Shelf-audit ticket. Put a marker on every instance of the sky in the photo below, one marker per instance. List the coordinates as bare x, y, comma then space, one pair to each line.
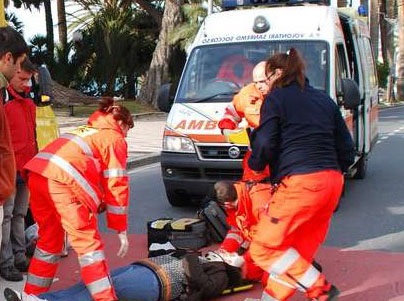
34, 21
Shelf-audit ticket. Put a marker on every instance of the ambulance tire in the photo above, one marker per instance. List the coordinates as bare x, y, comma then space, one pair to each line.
175, 199
361, 168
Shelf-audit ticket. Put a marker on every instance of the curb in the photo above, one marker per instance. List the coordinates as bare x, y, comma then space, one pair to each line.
143, 160
383, 106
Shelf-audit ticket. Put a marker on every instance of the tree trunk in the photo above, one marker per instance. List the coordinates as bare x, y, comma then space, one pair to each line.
151, 10
158, 72
62, 26
387, 14
400, 62
341, 3
374, 26
387, 31
50, 42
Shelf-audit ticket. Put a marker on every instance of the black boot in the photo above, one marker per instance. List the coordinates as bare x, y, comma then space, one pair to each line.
330, 295
11, 295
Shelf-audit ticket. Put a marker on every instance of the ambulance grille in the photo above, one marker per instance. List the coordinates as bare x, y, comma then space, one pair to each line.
219, 152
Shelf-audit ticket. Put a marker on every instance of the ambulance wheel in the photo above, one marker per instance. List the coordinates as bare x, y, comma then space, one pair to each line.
176, 199
361, 168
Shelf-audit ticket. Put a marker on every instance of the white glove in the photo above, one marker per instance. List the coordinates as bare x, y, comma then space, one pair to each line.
123, 239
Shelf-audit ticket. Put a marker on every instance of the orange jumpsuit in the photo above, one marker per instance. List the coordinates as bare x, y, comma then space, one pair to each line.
72, 179
246, 104
252, 201
292, 229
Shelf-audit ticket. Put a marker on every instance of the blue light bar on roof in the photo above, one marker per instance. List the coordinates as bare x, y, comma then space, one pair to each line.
230, 4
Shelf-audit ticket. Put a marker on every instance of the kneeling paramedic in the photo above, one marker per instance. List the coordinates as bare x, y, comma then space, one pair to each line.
73, 178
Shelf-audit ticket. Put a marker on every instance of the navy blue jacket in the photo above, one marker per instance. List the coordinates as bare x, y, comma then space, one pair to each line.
301, 131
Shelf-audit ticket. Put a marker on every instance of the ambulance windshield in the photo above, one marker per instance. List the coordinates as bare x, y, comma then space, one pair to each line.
214, 73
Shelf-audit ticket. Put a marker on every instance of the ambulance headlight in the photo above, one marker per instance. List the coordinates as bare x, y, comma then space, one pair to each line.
261, 25
178, 144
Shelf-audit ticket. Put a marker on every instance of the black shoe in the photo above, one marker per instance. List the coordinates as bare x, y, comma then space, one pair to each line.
22, 266
331, 295
11, 295
11, 274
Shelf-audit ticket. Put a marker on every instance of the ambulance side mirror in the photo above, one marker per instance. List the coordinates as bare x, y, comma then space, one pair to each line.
348, 94
164, 99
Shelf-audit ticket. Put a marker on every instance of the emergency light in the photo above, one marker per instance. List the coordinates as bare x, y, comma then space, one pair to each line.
231, 4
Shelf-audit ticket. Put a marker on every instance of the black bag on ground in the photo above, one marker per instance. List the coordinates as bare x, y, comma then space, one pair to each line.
188, 233
215, 218
165, 235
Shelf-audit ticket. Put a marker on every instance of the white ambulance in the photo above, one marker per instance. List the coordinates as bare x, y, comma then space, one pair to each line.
335, 43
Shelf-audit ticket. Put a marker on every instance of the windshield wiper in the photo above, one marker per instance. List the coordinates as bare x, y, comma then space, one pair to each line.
203, 99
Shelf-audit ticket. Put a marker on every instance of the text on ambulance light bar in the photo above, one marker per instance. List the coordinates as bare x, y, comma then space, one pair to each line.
230, 4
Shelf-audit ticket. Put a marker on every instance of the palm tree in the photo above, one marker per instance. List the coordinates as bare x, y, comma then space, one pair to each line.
50, 41
62, 26
158, 73
184, 34
387, 28
374, 25
115, 33
400, 63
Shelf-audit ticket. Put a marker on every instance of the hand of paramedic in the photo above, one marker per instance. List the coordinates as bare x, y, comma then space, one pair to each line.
123, 239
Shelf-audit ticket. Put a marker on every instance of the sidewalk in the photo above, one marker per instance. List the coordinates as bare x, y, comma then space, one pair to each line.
144, 140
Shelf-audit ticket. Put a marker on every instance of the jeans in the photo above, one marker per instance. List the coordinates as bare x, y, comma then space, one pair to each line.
13, 230
131, 282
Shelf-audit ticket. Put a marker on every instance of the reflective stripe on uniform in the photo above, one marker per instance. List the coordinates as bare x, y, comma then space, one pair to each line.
80, 142
67, 167
91, 257
276, 278
39, 281
267, 297
235, 236
116, 209
99, 285
309, 277
115, 172
281, 265
46, 256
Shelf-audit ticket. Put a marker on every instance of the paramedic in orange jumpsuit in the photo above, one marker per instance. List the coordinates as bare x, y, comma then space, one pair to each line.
247, 104
244, 202
73, 178
303, 137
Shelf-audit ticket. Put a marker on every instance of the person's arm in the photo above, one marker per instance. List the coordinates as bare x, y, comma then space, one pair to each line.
231, 117
115, 185
7, 161
265, 138
343, 142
